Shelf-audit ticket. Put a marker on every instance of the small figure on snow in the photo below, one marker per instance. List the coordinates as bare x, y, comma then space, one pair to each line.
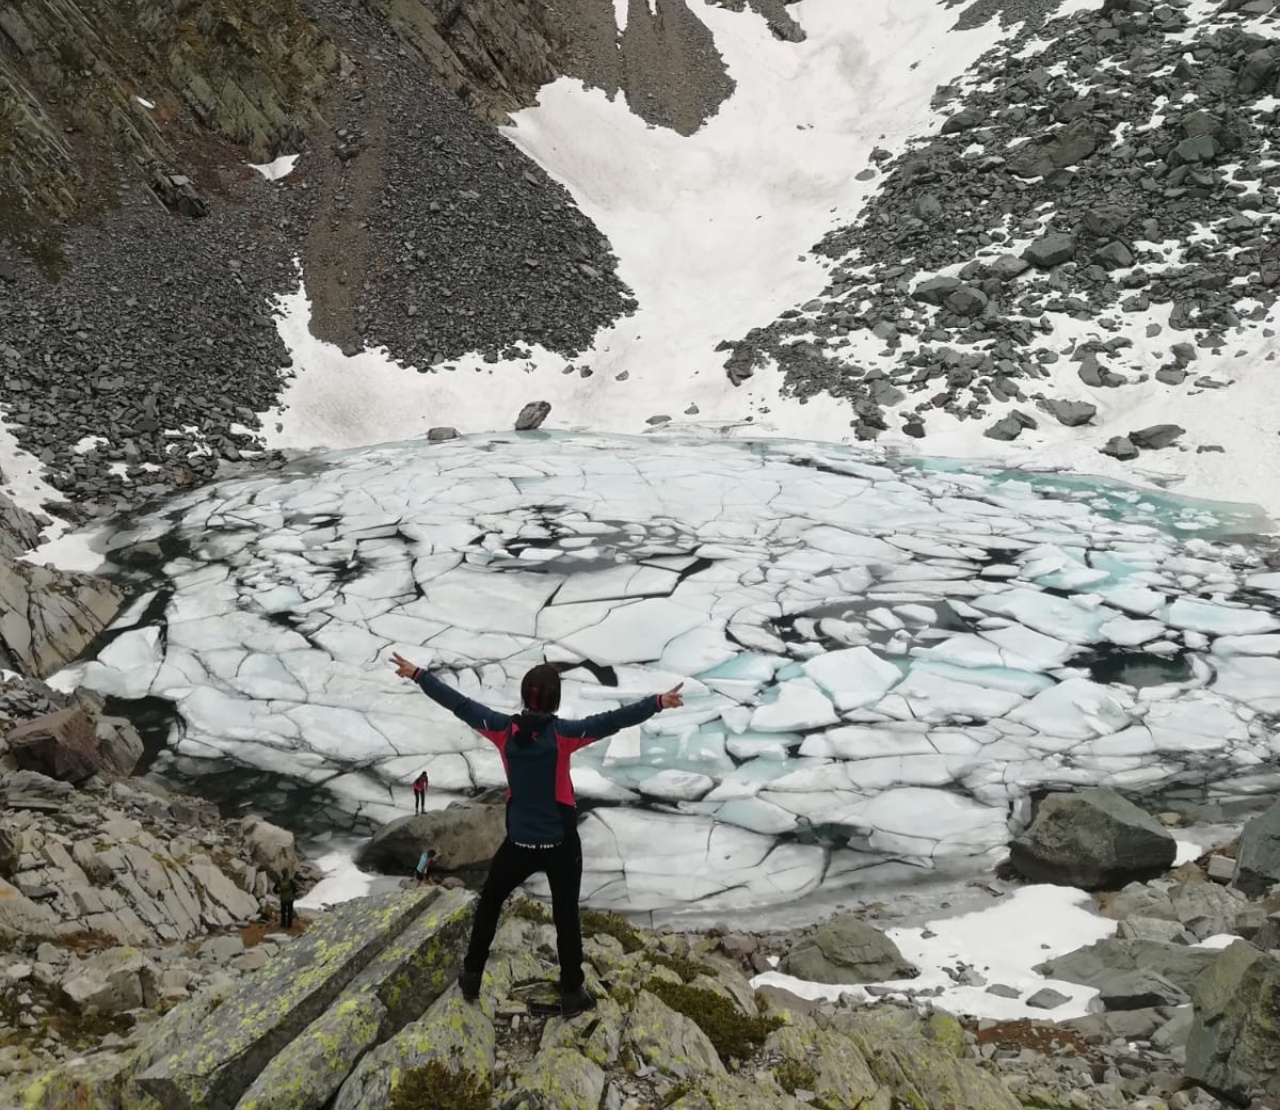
542, 818
420, 793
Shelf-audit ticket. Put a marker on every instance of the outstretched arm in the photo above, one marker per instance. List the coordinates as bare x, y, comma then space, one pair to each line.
580, 733
491, 724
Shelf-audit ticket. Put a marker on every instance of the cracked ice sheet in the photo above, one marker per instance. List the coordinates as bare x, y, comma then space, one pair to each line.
1002, 943
419, 548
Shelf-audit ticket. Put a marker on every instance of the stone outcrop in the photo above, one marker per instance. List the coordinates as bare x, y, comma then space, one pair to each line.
1258, 856
1234, 1045
48, 616
1098, 965
464, 834
244, 71
71, 746
1092, 839
344, 985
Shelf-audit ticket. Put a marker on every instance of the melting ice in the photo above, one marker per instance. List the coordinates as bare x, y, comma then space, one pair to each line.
882, 658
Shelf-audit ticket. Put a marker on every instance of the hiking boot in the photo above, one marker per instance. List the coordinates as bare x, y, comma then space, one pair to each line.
573, 1003
469, 985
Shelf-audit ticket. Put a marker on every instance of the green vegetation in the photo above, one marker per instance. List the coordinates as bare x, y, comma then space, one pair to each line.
614, 925
436, 1087
527, 909
734, 1035
792, 1076
687, 969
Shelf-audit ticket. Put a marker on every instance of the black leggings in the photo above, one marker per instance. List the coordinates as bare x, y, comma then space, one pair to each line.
513, 865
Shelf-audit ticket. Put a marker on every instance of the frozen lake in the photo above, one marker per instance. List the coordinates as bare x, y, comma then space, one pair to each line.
883, 658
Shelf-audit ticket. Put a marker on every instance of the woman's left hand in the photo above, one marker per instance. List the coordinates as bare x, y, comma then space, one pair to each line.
672, 699
404, 668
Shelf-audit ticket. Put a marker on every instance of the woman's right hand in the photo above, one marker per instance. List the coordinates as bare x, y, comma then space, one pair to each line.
672, 699
404, 668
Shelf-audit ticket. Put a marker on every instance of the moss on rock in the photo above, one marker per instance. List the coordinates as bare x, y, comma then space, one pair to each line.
734, 1034
434, 1087
595, 922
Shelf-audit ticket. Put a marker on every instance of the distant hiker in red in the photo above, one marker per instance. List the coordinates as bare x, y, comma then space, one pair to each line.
542, 818
420, 793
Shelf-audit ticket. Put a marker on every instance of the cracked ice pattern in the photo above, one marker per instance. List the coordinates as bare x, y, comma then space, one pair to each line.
881, 658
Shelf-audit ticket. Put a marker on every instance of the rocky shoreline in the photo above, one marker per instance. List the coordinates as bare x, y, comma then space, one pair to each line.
140, 938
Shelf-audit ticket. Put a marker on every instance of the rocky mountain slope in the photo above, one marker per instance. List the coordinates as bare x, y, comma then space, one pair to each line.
1086, 181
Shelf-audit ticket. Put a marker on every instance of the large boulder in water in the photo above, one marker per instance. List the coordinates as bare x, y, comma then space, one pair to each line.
1258, 854
464, 835
1095, 840
1234, 1047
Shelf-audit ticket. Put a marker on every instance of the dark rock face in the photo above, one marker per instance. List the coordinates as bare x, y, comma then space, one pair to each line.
1093, 840
1156, 437
1258, 856
1071, 413
64, 746
532, 416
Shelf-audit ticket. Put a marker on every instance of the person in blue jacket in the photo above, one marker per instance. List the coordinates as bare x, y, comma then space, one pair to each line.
542, 818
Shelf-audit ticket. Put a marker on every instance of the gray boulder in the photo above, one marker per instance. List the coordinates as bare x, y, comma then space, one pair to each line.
532, 415
19, 530
846, 950
32, 790
1268, 935
1051, 250
1234, 1046
1156, 437
1056, 150
1140, 990
1071, 413
1100, 963
464, 834
1008, 266
1207, 909
1114, 256
935, 290
111, 982
21, 918
1119, 447
967, 301
1094, 839
1258, 854
1006, 429
62, 745
271, 847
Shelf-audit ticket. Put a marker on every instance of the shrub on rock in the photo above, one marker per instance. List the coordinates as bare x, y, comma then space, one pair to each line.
1093, 840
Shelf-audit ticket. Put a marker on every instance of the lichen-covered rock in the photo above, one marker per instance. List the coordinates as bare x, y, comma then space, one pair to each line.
311, 1069
452, 1032
272, 1007
603, 1027
841, 1075
668, 1040
559, 1079
735, 1092
918, 1061
92, 1083
1234, 1046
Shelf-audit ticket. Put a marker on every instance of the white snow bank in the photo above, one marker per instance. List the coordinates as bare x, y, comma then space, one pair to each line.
274, 171
1002, 943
